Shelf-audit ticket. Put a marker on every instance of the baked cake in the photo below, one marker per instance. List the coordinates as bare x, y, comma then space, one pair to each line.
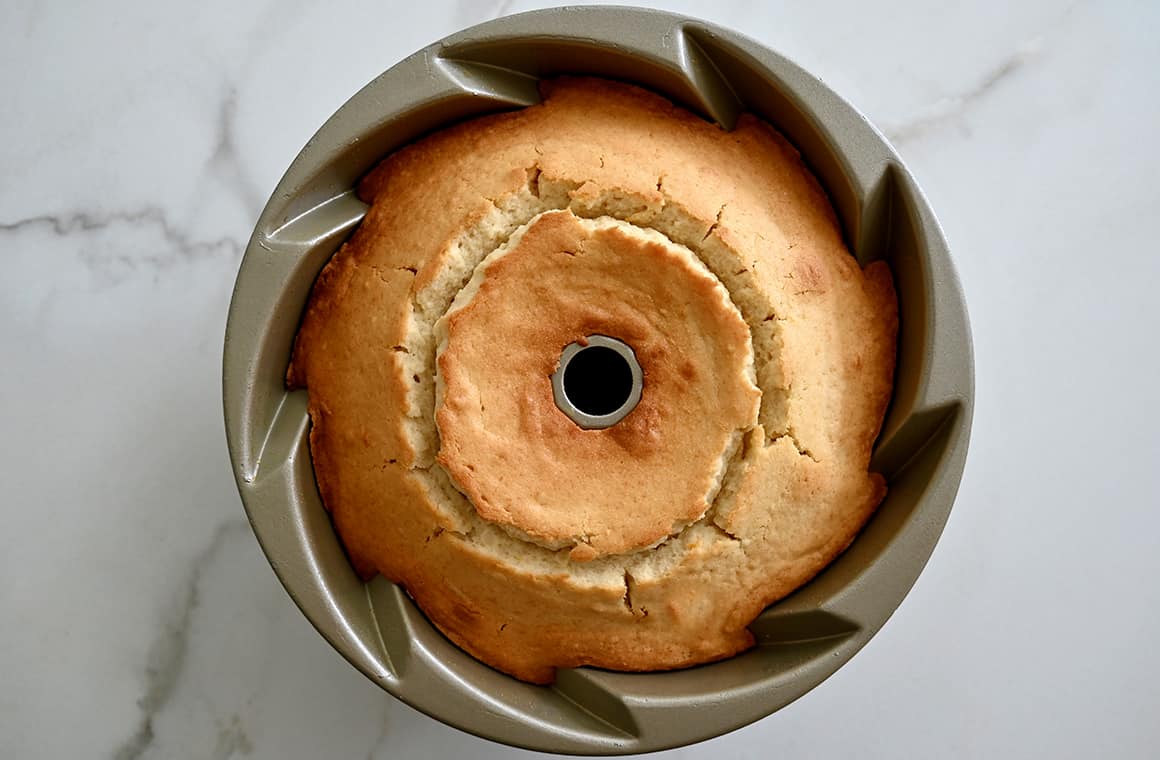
430, 340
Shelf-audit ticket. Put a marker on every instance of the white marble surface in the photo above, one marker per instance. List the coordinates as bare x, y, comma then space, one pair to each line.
138, 141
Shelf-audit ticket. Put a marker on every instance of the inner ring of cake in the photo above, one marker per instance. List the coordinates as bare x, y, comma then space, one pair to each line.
529, 467
487, 230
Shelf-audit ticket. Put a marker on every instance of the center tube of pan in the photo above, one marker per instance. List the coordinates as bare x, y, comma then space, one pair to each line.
597, 384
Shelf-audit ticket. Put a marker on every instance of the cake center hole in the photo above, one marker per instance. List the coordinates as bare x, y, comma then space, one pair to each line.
598, 380
598, 383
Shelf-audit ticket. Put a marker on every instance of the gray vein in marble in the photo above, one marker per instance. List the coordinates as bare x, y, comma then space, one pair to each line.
231, 740
115, 267
112, 267
166, 659
953, 108
381, 738
225, 161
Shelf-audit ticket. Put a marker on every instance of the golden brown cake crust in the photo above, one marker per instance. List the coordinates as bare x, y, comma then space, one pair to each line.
795, 494
520, 460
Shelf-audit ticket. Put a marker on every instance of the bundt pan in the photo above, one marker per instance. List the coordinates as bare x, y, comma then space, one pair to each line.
801, 639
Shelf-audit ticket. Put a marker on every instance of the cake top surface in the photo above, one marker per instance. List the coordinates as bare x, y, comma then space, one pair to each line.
429, 341
521, 460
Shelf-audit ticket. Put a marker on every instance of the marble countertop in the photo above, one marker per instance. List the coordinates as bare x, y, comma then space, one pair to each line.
138, 142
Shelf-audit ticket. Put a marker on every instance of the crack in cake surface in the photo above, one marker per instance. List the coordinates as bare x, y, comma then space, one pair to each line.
466, 261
